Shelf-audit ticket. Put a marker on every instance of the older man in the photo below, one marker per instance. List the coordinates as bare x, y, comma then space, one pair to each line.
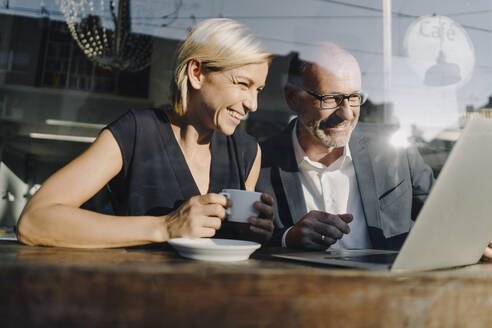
334, 188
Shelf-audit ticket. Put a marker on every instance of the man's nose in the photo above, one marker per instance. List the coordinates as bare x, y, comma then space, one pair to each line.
250, 102
344, 111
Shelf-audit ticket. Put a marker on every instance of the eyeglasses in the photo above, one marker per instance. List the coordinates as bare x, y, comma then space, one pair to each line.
334, 100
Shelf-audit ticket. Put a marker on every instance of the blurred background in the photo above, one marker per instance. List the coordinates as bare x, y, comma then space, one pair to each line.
69, 67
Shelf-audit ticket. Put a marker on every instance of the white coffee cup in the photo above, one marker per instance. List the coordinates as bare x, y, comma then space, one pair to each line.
241, 204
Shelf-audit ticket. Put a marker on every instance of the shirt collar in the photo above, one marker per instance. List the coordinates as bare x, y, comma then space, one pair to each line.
304, 162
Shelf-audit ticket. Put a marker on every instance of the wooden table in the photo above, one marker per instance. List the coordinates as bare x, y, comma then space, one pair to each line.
153, 287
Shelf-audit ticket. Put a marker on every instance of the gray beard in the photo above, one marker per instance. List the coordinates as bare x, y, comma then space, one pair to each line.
327, 141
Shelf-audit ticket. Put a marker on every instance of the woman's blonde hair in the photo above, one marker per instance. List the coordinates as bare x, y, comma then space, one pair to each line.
219, 44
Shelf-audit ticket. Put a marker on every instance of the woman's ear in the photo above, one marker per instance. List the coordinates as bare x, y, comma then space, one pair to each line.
195, 73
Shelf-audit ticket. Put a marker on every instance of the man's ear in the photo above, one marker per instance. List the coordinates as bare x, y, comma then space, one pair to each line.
291, 96
194, 70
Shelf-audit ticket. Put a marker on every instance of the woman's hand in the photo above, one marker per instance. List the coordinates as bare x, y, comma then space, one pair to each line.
261, 227
200, 216
487, 255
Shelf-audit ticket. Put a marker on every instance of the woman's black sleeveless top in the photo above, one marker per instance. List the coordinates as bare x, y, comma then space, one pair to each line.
155, 179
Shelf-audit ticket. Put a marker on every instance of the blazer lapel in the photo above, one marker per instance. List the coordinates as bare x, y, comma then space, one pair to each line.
364, 173
293, 194
289, 176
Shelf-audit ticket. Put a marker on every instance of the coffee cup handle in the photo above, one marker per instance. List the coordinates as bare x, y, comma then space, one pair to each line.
228, 196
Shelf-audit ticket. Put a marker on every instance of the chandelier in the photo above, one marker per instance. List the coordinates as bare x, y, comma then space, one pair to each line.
102, 29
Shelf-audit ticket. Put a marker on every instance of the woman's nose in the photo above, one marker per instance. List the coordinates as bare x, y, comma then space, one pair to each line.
251, 101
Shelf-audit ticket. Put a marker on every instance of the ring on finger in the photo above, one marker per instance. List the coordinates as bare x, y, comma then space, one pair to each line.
323, 237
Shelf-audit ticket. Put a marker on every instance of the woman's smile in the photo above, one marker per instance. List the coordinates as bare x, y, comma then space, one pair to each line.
235, 116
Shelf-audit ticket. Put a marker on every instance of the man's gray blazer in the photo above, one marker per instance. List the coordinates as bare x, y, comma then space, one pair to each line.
393, 185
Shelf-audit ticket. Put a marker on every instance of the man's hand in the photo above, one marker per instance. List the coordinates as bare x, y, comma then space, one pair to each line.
487, 255
261, 227
318, 230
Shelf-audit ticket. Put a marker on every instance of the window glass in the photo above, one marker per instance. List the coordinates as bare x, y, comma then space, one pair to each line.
426, 68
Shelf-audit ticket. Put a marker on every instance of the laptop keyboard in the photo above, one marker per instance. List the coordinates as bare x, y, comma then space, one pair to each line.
369, 258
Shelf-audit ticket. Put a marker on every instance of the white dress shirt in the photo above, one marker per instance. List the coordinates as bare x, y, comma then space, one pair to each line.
332, 189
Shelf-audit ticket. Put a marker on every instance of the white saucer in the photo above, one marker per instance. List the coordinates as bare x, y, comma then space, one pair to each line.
217, 250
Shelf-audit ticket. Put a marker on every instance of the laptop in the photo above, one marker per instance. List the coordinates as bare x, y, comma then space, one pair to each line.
455, 224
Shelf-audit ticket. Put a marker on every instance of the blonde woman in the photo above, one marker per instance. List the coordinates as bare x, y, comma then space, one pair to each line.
165, 168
